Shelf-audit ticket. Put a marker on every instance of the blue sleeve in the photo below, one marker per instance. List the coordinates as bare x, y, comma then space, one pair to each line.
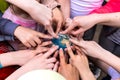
7, 27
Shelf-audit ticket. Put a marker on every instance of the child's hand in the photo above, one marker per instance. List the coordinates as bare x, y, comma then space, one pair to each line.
58, 18
90, 48
29, 37
44, 46
43, 61
67, 70
40, 61
80, 60
17, 57
81, 63
82, 23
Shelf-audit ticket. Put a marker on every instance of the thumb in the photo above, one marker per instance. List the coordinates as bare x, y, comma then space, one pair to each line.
51, 31
80, 43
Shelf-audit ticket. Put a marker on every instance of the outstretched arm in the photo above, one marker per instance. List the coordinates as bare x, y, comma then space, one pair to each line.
65, 7
92, 49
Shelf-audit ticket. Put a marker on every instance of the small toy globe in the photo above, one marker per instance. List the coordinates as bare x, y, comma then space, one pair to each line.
61, 41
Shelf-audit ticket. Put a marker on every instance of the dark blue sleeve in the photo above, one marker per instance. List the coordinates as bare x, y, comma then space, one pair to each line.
7, 27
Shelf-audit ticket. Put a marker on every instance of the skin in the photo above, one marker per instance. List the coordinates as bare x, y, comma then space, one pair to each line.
80, 61
41, 61
29, 37
65, 8
40, 13
21, 57
84, 23
67, 70
58, 20
92, 49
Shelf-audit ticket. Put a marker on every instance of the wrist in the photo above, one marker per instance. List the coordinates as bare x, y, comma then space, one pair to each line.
96, 18
6, 60
87, 75
101, 18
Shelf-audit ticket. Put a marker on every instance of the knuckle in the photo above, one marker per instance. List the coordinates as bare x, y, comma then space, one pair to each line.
75, 20
47, 24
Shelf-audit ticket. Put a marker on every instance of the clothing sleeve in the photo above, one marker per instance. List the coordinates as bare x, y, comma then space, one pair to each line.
7, 28
111, 6
50, 3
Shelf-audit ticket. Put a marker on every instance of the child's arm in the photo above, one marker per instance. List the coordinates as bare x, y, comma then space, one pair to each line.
40, 61
86, 22
92, 49
65, 7
57, 13
80, 61
40, 12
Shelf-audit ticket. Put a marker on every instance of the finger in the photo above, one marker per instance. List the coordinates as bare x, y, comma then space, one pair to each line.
56, 66
56, 54
59, 25
77, 32
37, 40
80, 43
32, 43
39, 55
51, 51
68, 22
80, 36
27, 44
50, 66
46, 43
79, 50
41, 35
44, 50
70, 52
51, 60
51, 32
75, 42
68, 29
62, 57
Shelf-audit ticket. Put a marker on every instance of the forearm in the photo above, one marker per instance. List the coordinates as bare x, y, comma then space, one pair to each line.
19, 72
86, 75
110, 59
28, 5
23, 4
65, 7
6, 59
111, 19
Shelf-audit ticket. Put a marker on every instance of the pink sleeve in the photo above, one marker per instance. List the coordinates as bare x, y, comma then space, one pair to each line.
111, 6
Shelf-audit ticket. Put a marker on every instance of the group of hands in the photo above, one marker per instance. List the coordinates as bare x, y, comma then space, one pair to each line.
40, 57
46, 17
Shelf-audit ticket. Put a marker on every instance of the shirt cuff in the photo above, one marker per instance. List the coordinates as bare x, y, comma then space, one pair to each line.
8, 27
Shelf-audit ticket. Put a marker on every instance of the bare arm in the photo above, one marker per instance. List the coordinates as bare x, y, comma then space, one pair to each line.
94, 50
111, 19
86, 22
65, 7
110, 59
37, 11
40, 61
